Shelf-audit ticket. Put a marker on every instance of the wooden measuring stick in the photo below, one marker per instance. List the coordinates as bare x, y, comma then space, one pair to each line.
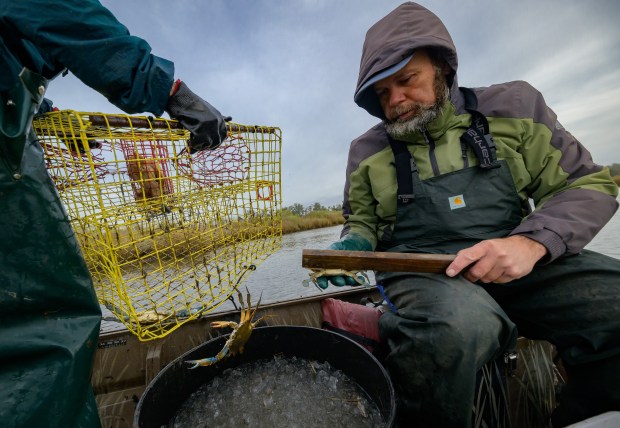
381, 261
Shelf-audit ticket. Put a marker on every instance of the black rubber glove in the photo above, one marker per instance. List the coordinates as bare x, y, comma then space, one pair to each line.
206, 125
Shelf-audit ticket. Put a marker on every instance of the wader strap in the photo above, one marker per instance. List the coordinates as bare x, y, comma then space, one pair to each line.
478, 136
17, 108
407, 175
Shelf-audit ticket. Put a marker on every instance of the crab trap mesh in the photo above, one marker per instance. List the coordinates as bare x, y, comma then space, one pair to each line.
167, 235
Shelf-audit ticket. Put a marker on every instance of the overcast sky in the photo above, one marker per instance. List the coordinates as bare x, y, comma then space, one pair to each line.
294, 64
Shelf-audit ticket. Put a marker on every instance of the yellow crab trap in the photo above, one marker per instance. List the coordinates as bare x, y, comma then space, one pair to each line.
167, 235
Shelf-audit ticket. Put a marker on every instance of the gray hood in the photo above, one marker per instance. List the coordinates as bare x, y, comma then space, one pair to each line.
394, 38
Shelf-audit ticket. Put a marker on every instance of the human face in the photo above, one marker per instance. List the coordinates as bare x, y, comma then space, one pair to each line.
412, 97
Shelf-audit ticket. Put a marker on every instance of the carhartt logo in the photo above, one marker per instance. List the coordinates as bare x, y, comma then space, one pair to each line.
456, 202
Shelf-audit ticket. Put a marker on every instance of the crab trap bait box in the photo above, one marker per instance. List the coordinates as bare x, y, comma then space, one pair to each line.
167, 235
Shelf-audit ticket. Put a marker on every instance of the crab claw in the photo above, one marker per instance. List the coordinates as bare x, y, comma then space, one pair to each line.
307, 282
198, 363
220, 324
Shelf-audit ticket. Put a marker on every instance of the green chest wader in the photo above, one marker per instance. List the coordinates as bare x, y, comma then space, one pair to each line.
445, 214
48, 308
449, 212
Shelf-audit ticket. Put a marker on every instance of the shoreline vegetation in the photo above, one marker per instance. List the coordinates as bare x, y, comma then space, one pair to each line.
296, 218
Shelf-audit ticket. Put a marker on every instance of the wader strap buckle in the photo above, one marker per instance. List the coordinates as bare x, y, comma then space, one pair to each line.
405, 199
407, 176
510, 359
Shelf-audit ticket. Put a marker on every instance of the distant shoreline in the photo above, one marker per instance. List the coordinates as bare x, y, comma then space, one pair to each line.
292, 223
316, 219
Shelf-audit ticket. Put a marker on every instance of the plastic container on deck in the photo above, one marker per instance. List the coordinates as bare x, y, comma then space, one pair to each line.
175, 383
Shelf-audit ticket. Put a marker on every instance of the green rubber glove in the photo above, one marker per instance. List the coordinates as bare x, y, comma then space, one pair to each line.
351, 242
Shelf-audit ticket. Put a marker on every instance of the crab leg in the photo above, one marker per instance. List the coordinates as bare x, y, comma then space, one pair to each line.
209, 361
239, 336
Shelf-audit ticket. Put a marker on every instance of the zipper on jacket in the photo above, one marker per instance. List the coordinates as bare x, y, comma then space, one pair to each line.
431, 152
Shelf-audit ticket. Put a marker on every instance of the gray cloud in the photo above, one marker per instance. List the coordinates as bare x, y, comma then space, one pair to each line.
294, 64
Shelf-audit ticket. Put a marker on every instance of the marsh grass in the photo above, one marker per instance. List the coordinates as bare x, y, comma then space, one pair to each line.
167, 237
491, 399
157, 239
536, 383
313, 220
164, 239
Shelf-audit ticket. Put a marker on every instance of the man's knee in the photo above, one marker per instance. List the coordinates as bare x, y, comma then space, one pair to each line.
447, 316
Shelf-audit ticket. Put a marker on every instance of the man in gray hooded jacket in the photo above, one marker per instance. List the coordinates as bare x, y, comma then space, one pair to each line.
452, 170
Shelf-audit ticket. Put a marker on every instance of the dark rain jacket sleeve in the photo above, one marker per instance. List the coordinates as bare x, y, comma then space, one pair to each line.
574, 196
84, 37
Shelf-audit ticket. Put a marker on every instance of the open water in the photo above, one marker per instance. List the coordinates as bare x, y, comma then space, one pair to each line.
608, 239
280, 277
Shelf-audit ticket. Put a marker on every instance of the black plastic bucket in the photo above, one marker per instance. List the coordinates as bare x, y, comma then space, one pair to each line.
175, 383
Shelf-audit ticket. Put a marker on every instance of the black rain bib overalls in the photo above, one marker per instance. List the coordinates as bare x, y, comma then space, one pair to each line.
445, 214
449, 212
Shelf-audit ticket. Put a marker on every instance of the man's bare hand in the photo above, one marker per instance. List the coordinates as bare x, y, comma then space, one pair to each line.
497, 260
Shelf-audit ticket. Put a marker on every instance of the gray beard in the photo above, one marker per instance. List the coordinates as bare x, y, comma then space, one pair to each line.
419, 122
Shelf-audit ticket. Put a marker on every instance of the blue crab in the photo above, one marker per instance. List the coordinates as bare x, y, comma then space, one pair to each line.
360, 278
239, 336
